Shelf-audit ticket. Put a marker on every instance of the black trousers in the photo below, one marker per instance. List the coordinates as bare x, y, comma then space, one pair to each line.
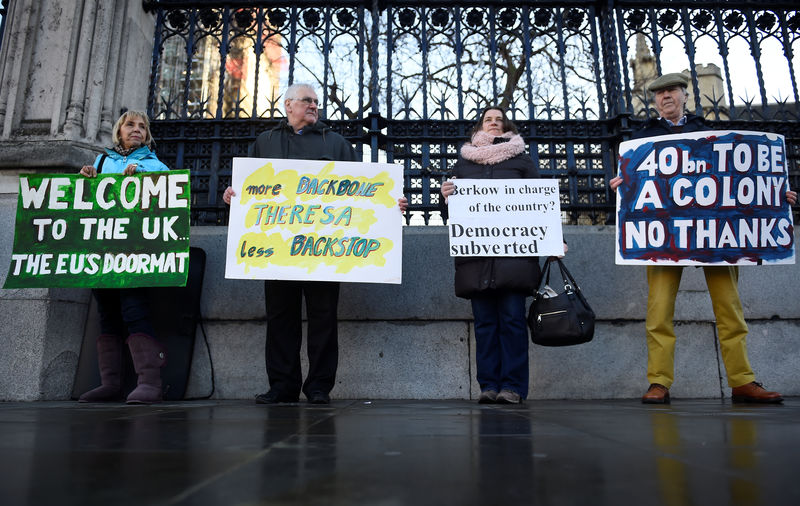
123, 311
284, 335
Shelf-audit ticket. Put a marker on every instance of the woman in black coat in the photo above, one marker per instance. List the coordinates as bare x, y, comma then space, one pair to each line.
497, 286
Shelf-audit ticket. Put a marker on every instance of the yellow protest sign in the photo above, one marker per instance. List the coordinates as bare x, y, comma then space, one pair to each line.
315, 220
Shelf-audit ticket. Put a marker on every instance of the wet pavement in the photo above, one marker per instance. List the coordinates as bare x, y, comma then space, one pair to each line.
620, 452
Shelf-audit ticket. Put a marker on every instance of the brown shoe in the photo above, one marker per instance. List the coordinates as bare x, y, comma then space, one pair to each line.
656, 394
755, 392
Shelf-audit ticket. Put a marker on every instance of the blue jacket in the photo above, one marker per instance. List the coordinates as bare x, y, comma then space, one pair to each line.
116, 163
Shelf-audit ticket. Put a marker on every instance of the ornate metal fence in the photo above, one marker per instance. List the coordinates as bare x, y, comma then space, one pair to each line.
403, 80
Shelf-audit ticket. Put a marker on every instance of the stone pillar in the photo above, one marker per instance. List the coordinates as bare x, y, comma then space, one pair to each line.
67, 68
643, 66
712, 89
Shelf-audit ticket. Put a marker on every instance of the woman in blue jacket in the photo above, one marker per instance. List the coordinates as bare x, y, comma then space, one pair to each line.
124, 311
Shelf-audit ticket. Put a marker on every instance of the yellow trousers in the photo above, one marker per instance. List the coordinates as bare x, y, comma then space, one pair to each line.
722, 283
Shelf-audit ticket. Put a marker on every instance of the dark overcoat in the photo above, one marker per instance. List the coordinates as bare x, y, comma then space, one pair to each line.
476, 275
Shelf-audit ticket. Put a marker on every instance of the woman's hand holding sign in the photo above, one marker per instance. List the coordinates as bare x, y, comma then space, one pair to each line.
88, 171
130, 169
448, 188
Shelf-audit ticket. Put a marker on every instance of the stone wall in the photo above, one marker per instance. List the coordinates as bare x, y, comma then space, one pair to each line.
67, 69
416, 340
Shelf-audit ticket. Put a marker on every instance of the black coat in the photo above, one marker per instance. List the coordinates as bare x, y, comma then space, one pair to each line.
317, 142
476, 275
659, 126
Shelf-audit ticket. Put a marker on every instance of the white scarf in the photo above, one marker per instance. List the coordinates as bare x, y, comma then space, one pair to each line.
482, 149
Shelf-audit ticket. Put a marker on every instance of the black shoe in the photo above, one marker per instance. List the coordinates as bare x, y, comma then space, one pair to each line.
273, 397
319, 397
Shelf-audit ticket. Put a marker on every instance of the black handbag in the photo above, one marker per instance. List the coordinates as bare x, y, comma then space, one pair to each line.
560, 319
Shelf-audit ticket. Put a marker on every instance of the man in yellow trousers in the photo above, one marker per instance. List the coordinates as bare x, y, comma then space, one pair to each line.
671, 94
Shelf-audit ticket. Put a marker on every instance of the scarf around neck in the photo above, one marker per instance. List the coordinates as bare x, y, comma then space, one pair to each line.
125, 152
483, 150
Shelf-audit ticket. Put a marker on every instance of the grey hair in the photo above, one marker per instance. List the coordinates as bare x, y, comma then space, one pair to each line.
291, 91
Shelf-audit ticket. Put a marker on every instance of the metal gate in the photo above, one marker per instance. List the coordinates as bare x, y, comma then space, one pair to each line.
404, 81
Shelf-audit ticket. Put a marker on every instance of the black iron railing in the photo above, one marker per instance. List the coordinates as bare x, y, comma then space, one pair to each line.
403, 80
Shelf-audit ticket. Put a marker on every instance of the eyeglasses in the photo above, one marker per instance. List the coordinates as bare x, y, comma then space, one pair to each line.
308, 100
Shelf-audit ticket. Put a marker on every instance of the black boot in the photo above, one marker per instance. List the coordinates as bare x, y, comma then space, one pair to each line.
109, 359
148, 359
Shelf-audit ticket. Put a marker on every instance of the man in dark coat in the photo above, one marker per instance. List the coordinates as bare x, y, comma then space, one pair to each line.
663, 280
301, 136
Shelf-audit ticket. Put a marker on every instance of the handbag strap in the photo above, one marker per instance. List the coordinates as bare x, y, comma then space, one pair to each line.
577, 289
569, 282
571, 287
544, 280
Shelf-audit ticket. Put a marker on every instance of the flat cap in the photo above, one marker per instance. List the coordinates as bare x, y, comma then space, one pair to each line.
667, 80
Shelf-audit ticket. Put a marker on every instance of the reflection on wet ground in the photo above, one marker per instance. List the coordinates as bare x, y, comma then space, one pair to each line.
694, 452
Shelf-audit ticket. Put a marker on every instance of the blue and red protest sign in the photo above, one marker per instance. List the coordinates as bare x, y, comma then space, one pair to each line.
704, 198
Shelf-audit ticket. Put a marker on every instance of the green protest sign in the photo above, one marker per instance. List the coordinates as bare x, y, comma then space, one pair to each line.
111, 231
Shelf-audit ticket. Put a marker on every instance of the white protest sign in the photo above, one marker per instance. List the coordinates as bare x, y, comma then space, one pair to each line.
315, 220
505, 218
